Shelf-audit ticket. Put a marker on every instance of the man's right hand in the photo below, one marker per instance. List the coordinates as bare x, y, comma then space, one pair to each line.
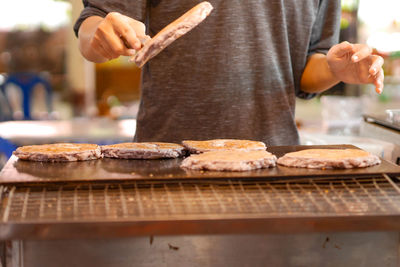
102, 39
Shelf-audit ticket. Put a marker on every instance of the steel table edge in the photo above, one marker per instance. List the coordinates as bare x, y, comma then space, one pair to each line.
121, 229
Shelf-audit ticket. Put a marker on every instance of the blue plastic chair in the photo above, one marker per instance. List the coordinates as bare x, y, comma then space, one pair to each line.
6, 147
27, 82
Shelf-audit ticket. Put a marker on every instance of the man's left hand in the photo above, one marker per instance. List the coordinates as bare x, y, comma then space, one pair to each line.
355, 63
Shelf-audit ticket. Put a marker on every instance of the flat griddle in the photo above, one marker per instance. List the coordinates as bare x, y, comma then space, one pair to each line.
20, 171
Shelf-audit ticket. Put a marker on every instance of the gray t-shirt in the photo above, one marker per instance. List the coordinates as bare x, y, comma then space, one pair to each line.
234, 76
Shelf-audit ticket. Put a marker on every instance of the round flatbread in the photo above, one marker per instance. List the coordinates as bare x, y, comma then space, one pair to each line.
145, 150
230, 160
329, 159
172, 31
196, 147
59, 152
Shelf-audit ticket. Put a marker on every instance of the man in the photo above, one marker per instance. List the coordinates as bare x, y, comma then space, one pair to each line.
237, 74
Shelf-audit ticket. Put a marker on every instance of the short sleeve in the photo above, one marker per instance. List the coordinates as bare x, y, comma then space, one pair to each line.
325, 34
326, 28
135, 9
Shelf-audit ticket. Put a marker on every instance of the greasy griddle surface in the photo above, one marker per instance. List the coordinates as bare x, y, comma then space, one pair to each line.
19, 171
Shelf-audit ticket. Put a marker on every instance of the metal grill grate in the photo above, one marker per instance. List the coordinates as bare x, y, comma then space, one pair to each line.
229, 199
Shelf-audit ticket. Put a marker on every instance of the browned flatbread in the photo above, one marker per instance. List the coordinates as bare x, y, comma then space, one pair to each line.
230, 160
196, 147
329, 159
59, 152
149, 150
171, 32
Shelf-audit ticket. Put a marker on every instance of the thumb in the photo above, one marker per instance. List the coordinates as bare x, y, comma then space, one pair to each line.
138, 27
341, 49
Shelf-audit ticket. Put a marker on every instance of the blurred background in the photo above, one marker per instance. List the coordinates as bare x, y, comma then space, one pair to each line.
50, 93
39, 39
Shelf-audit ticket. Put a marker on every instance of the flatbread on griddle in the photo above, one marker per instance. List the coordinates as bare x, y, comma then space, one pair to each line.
172, 31
196, 147
143, 150
329, 159
230, 160
59, 152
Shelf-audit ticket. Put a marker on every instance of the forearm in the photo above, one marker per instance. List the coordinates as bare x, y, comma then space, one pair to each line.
85, 35
317, 76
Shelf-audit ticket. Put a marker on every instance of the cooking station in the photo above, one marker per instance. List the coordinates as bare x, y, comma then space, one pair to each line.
151, 212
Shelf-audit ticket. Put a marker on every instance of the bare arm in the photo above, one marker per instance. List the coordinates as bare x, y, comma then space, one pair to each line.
317, 76
102, 39
349, 63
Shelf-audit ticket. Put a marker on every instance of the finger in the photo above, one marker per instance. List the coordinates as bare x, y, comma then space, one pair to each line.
112, 43
342, 49
129, 52
125, 36
126, 49
363, 51
138, 26
377, 63
105, 52
109, 50
130, 37
98, 46
378, 82
128, 33
140, 29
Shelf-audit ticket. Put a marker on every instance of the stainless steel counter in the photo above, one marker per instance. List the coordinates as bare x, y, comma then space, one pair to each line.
369, 128
303, 222
328, 249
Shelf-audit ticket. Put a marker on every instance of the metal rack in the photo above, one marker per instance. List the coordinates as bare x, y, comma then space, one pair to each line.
181, 207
